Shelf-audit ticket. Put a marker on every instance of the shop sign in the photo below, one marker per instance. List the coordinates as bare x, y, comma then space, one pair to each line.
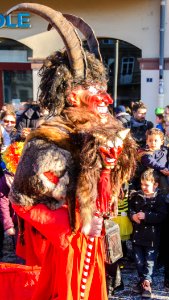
20, 20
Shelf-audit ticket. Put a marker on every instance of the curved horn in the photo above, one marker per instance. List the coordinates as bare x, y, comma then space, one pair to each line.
87, 31
65, 29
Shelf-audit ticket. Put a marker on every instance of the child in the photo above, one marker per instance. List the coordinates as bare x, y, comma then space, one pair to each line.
147, 210
158, 156
155, 156
159, 112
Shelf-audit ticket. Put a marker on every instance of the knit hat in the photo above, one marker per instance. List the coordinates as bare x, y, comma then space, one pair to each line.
120, 109
159, 111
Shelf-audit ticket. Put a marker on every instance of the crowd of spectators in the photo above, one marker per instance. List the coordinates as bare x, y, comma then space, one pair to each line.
148, 193
14, 127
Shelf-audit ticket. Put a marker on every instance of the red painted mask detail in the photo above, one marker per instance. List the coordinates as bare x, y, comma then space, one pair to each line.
110, 153
51, 177
89, 97
98, 98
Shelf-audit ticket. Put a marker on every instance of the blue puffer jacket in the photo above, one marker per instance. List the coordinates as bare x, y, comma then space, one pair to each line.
156, 160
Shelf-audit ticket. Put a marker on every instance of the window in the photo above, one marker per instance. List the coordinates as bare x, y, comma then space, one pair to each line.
127, 67
17, 85
22, 76
107, 41
16, 71
24, 94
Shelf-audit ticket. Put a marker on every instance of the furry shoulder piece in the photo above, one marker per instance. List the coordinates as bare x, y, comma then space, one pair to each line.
54, 131
45, 172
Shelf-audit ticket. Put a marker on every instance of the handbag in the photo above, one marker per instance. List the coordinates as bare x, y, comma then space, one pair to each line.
112, 242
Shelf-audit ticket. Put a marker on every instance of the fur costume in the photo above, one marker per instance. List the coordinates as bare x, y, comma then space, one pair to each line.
45, 151
56, 150
91, 168
62, 164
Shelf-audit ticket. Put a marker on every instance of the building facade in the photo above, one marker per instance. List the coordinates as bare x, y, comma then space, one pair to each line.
133, 25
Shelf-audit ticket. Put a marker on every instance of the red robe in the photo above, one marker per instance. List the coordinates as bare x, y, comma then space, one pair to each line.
63, 262
18, 281
33, 249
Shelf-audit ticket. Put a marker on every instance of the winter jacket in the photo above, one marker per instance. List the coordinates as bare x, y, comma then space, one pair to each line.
164, 241
147, 233
124, 118
8, 138
7, 214
160, 126
29, 118
156, 160
138, 130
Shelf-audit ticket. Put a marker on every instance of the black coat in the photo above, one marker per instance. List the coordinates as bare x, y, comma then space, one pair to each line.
29, 118
147, 233
138, 130
125, 119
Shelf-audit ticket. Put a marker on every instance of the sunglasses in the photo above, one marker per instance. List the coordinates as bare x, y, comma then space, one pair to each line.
8, 121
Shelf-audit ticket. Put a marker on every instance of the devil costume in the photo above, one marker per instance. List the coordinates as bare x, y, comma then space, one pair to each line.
65, 251
72, 167
38, 194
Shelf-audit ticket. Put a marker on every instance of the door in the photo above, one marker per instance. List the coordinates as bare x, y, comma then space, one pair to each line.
15, 71
15, 82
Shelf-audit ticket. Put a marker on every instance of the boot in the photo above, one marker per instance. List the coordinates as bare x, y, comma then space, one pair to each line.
109, 285
146, 293
118, 282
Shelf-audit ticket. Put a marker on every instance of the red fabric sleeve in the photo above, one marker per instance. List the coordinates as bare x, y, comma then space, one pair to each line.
53, 224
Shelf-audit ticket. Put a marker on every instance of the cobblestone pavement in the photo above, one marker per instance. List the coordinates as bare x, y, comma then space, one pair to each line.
9, 251
128, 273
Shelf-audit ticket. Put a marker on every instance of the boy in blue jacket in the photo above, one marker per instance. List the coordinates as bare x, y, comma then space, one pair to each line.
155, 156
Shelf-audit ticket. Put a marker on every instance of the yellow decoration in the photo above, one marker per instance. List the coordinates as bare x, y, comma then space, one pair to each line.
12, 155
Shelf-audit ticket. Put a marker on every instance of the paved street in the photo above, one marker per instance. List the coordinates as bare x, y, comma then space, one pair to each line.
128, 272
130, 278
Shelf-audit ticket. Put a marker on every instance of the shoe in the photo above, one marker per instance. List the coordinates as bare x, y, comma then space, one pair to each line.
117, 279
137, 288
146, 289
109, 284
119, 287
